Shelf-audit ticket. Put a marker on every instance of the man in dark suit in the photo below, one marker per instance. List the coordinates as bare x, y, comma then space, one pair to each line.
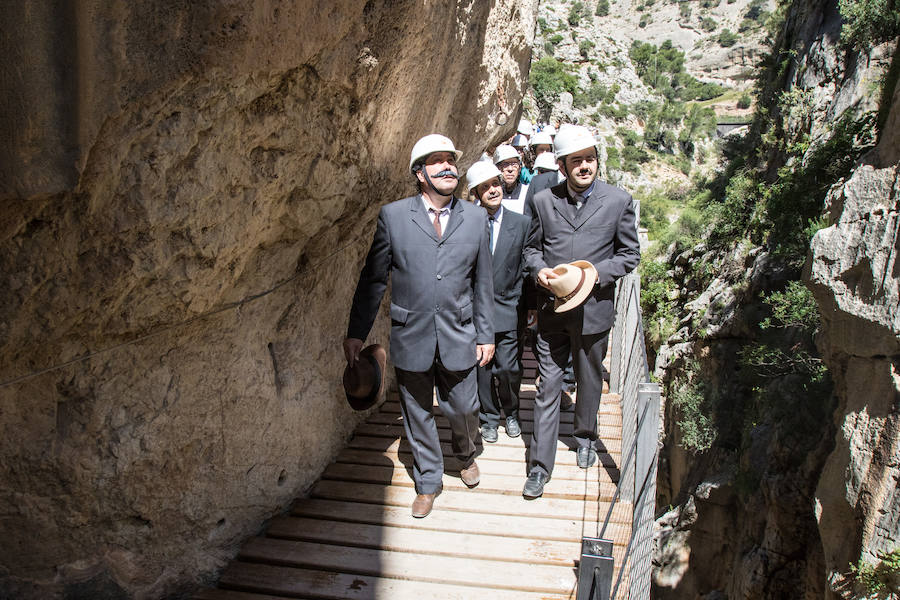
434, 248
499, 381
579, 219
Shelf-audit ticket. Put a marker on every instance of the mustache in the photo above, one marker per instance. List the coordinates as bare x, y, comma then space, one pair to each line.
446, 173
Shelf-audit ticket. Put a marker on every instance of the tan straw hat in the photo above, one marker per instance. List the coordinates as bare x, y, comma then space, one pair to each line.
364, 381
573, 284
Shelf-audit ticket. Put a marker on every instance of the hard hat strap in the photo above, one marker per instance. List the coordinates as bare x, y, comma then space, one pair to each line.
431, 185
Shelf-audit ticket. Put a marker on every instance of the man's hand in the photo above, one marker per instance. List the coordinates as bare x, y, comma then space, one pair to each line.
531, 318
352, 348
544, 276
484, 353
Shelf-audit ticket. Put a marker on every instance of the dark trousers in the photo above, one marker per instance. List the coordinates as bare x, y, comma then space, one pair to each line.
458, 400
499, 380
588, 352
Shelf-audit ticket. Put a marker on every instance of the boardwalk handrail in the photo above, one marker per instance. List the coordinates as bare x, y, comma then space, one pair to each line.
640, 400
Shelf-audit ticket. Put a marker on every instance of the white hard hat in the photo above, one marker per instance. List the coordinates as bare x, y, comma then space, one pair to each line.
541, 137
519, 141
546, 160
525, 127
572, 139
430, 144
550, 129
480, 172
505, 152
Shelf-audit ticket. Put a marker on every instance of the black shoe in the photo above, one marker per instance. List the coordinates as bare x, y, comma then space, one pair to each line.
488, 434
534, 485
586, 457
512, 427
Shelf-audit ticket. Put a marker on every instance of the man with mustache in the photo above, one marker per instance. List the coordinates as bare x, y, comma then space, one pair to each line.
434, 248
499, 381
580, 219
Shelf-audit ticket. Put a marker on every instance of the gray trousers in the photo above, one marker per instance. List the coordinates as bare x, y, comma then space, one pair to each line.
506, 371
588, 352
459, 403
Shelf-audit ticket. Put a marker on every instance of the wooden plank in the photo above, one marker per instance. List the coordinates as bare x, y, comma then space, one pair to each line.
510, 525
310, 583
449, 543
586, 488
396, 432
404, 565
468, 500
512, 468
496, 451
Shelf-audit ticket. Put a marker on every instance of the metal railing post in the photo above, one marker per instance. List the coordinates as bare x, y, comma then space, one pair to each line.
595, 569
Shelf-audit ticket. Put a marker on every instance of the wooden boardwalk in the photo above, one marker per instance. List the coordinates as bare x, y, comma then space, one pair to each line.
354, 537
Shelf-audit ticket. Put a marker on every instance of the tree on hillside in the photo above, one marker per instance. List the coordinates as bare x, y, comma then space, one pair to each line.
549, 78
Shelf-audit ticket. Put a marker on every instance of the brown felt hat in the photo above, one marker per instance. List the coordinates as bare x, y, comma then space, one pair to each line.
364, 381
573, 284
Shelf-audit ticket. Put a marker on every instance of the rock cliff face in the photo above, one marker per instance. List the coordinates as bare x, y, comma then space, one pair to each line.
788, 503
854, 272
189, 189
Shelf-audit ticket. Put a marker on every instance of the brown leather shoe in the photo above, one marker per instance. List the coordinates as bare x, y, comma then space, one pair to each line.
422, 505
470, 475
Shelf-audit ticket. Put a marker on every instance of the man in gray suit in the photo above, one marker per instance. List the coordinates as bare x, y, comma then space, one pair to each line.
579, 219
434, 248
499, 381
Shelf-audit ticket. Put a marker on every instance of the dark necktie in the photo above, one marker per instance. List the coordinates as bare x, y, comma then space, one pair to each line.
491, 229
437, 221
573, 205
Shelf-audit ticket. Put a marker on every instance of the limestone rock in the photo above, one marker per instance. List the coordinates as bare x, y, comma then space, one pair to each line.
853, 272
189, 190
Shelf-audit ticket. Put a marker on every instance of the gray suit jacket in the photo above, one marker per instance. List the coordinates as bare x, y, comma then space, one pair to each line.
603, 233
509, 269
441, 289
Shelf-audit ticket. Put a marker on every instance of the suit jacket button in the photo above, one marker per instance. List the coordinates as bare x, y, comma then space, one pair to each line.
438, 276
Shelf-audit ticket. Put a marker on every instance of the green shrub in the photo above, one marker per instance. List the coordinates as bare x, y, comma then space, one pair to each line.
659, 311
575, 13
602, 8
708, 25
794, 307
548, 79
543, 27
645, 20
869, 22
684, 10
744, 101
695, 423
585, 47
555, 39
549, 49
612, 159
727, 39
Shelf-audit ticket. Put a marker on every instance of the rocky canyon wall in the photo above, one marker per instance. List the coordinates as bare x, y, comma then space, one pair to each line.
189, 189
854, 272
795, 491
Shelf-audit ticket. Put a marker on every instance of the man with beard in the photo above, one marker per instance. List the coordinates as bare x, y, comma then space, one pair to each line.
507, 159
581, 219
498, 382
434, 248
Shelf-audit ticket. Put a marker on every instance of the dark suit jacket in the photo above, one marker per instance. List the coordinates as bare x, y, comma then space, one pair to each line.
509, 268
441, 289
603, 233
541, 182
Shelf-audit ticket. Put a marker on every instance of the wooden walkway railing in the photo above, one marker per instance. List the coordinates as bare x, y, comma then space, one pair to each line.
354, 537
